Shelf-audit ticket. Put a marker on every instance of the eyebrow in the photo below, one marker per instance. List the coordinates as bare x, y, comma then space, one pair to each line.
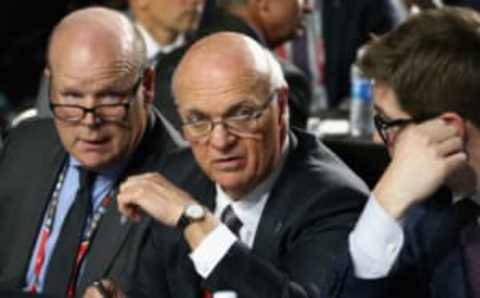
228, 111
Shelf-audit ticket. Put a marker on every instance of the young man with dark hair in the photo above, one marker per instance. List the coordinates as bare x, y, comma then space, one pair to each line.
418, 236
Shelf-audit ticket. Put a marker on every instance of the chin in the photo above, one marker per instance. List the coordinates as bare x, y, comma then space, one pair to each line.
232, 184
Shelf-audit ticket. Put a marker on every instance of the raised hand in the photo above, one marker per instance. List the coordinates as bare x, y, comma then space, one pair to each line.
154, 195
424, 156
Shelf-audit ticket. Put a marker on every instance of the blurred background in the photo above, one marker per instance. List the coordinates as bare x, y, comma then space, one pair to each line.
325, 52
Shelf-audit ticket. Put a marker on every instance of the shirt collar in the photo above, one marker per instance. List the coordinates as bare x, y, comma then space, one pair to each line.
109, 173
257, 197
153, 47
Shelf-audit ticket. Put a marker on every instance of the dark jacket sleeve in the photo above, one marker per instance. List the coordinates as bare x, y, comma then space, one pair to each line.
306, 256
429, 265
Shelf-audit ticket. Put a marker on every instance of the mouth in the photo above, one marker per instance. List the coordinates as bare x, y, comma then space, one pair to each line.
93, 144
231, 163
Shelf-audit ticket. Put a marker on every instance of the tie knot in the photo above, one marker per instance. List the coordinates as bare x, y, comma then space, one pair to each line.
231, 220
85, 179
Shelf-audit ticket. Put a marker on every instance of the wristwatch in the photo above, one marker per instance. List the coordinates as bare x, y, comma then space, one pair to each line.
191, 213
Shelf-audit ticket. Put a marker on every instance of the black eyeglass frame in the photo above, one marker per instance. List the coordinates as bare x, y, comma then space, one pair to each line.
382, 125
125, 104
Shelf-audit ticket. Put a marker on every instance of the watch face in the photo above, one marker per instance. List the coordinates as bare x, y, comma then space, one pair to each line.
195, 212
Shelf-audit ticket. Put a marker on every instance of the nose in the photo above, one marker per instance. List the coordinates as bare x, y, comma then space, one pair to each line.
90, 119
308, 6
220, 137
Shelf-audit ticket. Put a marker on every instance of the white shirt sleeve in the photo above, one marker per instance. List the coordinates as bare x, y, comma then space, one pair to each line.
375, 242
212, 250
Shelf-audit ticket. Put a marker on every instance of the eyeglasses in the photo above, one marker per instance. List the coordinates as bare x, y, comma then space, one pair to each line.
384, 125
242, 121
112, 112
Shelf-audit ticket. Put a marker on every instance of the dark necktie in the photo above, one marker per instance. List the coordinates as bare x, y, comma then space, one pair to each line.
231, 220
62, 263
470, 237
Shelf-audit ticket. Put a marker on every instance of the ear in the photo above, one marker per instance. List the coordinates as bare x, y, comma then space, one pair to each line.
457, 121
47, 76
46, 73
148, 85
284, 111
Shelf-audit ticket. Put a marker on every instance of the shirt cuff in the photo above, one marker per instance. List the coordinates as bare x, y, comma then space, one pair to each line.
212, 250
375, 242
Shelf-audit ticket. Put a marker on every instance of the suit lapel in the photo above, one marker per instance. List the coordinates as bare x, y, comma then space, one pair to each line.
448, 278
272, 219
33, 206
112, 232
465, 212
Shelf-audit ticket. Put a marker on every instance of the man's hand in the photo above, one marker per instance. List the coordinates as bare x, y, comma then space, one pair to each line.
424, 156
162, 200
153, 194
103, 289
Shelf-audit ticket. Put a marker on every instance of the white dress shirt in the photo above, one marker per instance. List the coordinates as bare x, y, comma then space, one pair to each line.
153, 47
377, 240
248, 209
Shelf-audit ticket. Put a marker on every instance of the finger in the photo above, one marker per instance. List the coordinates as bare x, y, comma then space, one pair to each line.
143, 182
92, 292
100, 287
455, 162
132, 180
144, 176
450, 146
439, 130
125, 206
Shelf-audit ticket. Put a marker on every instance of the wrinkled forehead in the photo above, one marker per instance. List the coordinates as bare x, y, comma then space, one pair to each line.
95, 74
90, 62
216, 91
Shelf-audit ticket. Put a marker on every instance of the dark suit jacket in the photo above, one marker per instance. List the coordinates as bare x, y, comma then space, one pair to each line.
346, 26
431, 263
300, 92
312, 206
29, 166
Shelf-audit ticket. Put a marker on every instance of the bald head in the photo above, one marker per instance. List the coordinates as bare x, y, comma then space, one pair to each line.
229, 76
228, 56
96, 58
96, 32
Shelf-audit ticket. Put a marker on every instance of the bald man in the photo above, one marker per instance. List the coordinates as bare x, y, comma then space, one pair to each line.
286, 201
59, 225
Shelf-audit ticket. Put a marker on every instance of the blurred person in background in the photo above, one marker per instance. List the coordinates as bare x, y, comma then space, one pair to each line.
335, 30
269, 22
